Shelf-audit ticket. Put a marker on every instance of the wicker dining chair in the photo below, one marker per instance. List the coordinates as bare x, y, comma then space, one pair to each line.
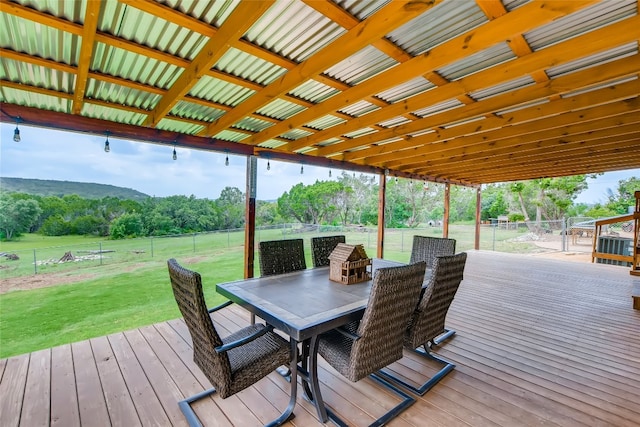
362, 348
428, 248
426, 327
281, 256
233, 363
321, 248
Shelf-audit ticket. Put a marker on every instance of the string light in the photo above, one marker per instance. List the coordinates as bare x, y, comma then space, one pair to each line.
16, 133
301, 169
226, 160
107, 148
175, 155
329, 173
268, 165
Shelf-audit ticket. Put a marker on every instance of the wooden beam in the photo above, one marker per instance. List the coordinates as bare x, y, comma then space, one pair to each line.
587, 44
520, 20
233, 28
389, 17
75, 123
476, 240
447, 210
89, 27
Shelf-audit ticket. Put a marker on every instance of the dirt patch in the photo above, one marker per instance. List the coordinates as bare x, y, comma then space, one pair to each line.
41, 281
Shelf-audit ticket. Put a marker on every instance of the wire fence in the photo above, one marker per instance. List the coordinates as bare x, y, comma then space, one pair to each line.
573, 234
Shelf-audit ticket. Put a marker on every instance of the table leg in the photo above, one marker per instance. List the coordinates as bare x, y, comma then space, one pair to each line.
313, 380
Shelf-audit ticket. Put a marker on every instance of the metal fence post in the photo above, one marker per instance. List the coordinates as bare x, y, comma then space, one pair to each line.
100, 251
35, 263
194, 242
563, 231
151, 246
493, 226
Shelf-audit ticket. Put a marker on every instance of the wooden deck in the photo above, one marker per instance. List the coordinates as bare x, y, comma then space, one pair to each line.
538, 341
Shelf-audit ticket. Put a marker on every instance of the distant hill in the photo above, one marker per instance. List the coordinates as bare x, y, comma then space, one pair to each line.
86, 190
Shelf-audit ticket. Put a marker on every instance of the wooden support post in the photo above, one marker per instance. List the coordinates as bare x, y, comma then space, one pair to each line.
381, 206
447, 210
476, 244
250, 217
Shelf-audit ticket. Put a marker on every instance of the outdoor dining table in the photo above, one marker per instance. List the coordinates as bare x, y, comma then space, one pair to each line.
303, 305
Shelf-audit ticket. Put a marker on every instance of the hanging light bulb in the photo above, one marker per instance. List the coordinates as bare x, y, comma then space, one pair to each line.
226, 161
175, 155
396, 179
301, 169
329, 173
106, 144
268, 165
16, 133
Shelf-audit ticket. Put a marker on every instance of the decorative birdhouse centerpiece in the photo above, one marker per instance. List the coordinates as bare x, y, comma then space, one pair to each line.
348, 264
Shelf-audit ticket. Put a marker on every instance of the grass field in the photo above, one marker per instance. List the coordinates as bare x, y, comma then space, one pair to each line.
127, 285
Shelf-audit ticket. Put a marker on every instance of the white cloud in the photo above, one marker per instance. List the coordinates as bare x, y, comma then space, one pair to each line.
149, 168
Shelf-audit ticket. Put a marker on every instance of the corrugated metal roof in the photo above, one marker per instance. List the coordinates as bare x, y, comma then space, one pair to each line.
588, 19
482, 60
359, 108
112, 114
38, 40
444, 22
73, 11
219, 91
249, 67
608, 84
213, 12
514, 4
406, 90
194, 111
360, 66
396, 121
280, 109
502, 88
37, 100
296, 134
252, 124
120, 95
229, 135
314, 91
35, 75
125, 21
609, 55
294, 30
360, 132
438, 108
362, 9
131, 66
325, 122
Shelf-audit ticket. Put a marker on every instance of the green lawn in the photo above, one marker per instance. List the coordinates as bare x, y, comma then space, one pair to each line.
128, 286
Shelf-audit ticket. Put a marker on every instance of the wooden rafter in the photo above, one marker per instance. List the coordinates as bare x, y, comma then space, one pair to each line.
86, 51
376, 26
232, 29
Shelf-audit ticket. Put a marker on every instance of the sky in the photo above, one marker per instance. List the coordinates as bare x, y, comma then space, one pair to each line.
150, 169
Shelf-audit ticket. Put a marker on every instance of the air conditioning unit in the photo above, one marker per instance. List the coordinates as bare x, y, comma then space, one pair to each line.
614, 245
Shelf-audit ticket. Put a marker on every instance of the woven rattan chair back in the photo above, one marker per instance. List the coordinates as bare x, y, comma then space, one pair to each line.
187, 289
321, 248
428, 248
281, 256
394, 295
427, 321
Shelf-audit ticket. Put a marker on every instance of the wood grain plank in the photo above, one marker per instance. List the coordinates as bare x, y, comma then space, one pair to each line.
37, 394
64, 399
91, 403
146, 402
165, 388
12, 387
122, 411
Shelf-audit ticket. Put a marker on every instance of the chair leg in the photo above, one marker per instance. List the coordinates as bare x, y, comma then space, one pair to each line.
421, 390
448, 334
185, 407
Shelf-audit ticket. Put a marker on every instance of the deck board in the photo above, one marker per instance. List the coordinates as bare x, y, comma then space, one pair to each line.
538, 342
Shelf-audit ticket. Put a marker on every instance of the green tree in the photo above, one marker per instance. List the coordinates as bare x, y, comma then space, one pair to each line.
310, 204
620, 201
126, 226
17, 215
55, 225
231, 206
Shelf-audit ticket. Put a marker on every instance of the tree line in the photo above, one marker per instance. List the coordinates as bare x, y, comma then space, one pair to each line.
349, 200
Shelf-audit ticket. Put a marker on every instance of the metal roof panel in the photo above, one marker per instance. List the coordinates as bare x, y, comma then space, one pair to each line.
360, 66
249, 67
219, 91
293, 30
